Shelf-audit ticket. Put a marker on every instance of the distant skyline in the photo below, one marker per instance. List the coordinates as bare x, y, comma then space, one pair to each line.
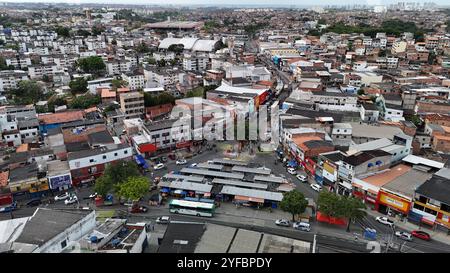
262, 3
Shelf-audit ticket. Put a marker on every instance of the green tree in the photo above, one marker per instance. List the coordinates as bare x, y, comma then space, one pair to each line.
85, 101
151, 60
361, 92
78, 85
196, 92
328, 204
153, 100
97, 30
352, 209
294, 202
118, 83
114, 175
83, 32
142, 48
63, 31
134, 188
27, 92
178, 49
162, 63
92, 64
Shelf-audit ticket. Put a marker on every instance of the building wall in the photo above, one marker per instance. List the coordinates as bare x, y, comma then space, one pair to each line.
70, 235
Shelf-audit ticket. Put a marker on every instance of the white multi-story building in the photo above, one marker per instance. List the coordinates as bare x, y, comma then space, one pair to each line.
196, 62
9, 79
117, 67
135, 80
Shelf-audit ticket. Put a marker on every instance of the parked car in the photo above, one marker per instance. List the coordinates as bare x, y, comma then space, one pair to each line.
282, 222
138, 209
163, 159
71, 200
193, 165
421, 235
163, 220
403, 235
316, 187
159, 166
385, 221
302, 178
34, 202
292, 171
63, 196
302, 226
181, 162
93, 195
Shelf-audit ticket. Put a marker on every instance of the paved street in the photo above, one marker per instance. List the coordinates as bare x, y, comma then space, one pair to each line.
329, 238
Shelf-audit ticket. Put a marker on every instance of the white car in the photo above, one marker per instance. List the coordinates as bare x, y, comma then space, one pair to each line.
159, 166
193, 165
292, 171
181, 162
385, 221
404, 235
282, 222
302, 226
316, 187
63, 196
71, 200
93, 195
163, 220
302, 177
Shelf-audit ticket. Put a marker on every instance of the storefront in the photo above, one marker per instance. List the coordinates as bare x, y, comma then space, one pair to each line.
391, 204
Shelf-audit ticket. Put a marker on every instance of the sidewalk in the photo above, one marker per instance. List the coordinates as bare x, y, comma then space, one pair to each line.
408, 226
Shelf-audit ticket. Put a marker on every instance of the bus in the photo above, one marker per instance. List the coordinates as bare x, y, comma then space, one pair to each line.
192, 208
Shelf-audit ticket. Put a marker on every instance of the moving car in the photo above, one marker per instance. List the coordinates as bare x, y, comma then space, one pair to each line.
403, 235
34, 202
159, 166
302, 226
163, 220
181, 162
63, 196
282, 222
292, 171
316, 187
385, 221
138, 209
71, 200
302, 178
421, 235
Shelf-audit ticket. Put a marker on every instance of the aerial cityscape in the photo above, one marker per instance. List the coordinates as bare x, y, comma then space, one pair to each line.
228, 127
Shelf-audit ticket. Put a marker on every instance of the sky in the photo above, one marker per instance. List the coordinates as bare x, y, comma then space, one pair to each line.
240, 2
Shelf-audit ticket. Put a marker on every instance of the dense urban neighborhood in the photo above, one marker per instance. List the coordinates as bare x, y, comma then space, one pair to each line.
174, 129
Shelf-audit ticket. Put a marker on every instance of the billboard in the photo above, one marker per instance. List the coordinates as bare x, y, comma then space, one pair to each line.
394, 202
60, 181
329, 172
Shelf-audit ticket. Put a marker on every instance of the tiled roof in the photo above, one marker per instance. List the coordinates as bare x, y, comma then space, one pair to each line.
61, 117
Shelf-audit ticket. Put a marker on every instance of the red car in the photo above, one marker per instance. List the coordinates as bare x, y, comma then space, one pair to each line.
421, 235
138, 209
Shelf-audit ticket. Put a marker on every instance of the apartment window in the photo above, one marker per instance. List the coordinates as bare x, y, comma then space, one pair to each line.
64, 244
125, 152
104, 157
115, 154
91, 160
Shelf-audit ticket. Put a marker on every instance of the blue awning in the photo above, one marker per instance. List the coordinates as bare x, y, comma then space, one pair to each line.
293, 163
140, 160
165, 190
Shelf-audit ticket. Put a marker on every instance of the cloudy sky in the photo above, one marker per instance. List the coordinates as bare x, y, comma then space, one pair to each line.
239, 2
